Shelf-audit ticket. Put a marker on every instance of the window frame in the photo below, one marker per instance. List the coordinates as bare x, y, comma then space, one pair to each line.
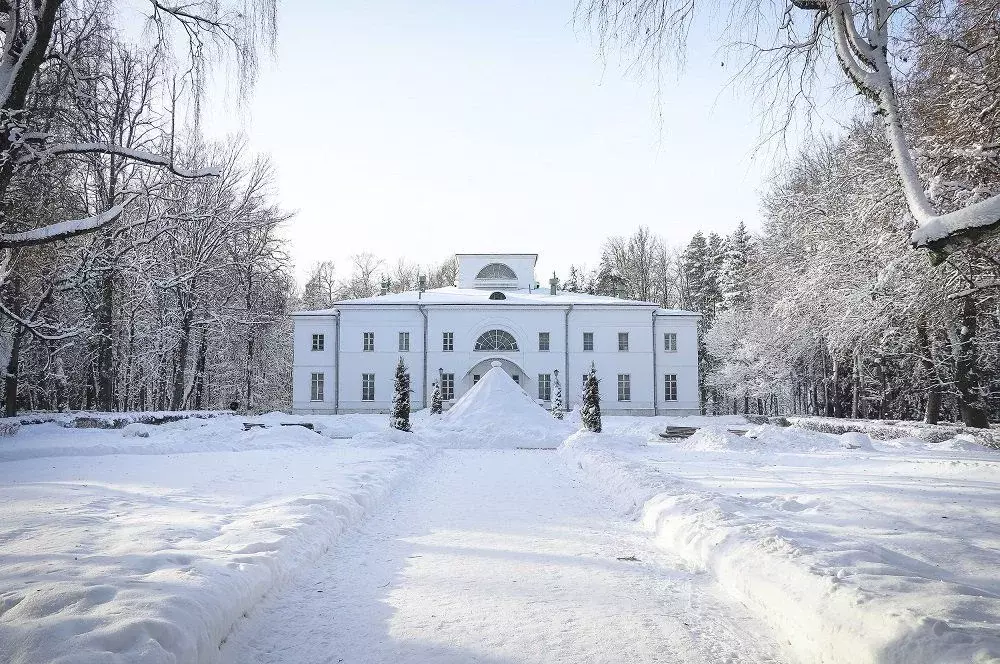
490, 341
588, 336
624, 387
368, 342
447, 386
546, 346
318, 341
670, 381
447, 342
317, 379
368, 387
545, 387
669, 342
404, 337
623, 336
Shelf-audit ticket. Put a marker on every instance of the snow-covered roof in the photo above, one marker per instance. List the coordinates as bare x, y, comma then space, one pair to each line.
451, 295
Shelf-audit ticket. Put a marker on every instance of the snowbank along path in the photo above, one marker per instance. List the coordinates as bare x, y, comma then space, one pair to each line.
498, 556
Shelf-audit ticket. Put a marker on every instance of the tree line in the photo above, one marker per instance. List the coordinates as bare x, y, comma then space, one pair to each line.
141, 266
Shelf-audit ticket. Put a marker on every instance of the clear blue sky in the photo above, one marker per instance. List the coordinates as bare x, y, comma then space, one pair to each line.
421, 129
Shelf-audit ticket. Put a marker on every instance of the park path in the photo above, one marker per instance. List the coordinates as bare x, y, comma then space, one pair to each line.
498, 556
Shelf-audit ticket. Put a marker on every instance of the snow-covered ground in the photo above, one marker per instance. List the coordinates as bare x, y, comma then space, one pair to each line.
853, 550
499, 556
152, 543
120, 548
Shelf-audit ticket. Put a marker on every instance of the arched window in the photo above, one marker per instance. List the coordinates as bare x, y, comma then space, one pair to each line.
497, 295
497, 272
496, 340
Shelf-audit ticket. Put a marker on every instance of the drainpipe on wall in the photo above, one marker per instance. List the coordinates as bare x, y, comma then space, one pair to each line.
336, 368
654, 361
566, 358
423, 313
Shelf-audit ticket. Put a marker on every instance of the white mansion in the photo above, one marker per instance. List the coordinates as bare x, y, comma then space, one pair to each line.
646, 357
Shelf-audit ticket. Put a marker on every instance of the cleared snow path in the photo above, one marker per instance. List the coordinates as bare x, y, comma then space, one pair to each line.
498, 557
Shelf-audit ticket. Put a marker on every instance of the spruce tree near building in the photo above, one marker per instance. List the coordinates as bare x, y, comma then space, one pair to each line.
436, 404
400, 417
590, 410
557, 401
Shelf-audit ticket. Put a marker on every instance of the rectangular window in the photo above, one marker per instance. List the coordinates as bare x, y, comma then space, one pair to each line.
447, 386
369, 342
624, 387
543, 341
516, 378
368, 387
319, 341
545, 387
448, 341
404, 342
670, 387
670, 342
316, 387
475, 378
623, 342
588, 341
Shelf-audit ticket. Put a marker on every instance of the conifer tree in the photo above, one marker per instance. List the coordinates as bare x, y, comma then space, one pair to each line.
734, 281
436, 404
558, 411
590, 411
400, 415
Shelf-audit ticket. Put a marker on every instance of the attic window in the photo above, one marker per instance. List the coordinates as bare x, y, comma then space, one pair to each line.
497, 272
497, 295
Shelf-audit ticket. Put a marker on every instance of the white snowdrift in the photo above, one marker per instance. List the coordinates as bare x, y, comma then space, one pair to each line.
853, 555
153, 557
496, 413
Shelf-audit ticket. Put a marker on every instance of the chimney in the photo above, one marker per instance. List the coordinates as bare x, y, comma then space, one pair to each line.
385, 284
553, 284
421, 284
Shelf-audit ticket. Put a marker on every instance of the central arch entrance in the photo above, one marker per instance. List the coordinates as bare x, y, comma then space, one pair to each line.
482, 366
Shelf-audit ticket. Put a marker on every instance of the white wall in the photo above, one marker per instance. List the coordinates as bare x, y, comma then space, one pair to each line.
306, 361
386, 323
523, 266
524, 323
684, 363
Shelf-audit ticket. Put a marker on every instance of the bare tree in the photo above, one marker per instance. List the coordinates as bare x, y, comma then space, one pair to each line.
868, 38
51, 38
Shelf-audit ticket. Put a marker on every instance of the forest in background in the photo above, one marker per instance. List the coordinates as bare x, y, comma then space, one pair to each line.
169, 286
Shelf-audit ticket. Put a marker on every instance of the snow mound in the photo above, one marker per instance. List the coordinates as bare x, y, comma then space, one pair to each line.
717, 439
135, 430
496, 412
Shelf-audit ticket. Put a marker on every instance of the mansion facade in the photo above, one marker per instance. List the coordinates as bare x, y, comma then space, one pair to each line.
646, 357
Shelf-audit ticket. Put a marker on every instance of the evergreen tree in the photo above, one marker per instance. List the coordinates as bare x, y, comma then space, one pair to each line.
734, 281
700, 266
436, 404
573, 281
400, 415
557, 401
590, 411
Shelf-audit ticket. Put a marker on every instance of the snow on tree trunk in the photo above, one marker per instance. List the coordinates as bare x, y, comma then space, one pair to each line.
590, 410
400, 414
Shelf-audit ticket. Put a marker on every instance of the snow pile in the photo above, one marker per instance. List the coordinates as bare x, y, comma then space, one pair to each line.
769, 439
128, 558
496, 412
715, 438
876, 557
135, 430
